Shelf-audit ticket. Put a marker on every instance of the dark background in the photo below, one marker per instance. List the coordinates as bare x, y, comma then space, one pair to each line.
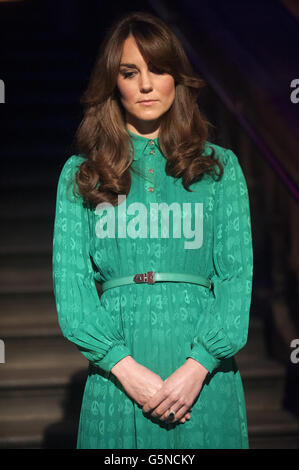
247, 52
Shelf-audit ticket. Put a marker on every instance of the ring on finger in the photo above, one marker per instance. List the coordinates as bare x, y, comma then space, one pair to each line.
171, 414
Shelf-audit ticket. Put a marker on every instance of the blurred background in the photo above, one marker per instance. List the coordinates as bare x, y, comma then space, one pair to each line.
247, 53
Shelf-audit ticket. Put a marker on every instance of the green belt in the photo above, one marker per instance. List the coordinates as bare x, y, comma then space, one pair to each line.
151, 277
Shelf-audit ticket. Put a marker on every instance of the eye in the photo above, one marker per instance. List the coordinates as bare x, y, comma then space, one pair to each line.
127, 74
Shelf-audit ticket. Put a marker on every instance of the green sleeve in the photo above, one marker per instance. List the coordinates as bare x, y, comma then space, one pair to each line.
81, 315
222, 329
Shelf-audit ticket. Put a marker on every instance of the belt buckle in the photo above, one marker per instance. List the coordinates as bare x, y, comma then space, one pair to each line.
146, 277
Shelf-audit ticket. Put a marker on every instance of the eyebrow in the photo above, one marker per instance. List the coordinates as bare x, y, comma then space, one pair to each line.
132, 66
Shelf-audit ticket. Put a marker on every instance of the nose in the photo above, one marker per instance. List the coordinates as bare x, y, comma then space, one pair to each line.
145, 83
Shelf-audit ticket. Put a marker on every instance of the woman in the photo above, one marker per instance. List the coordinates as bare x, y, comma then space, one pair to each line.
175, 304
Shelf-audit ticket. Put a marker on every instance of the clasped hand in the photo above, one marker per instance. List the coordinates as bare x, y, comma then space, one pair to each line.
178, 392
156, 396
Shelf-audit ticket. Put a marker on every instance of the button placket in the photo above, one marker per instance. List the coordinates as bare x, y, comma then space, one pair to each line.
151, 185
151, 165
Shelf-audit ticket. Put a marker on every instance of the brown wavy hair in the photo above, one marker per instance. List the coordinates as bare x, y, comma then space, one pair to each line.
102, 137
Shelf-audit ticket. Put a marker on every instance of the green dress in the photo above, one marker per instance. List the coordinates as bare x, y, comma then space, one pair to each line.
162, 324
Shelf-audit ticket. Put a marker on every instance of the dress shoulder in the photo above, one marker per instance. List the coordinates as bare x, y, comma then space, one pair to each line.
223, 154
73, 162
67, 177
232, 168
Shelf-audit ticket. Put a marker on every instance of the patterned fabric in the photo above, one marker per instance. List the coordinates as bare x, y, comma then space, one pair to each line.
159, 325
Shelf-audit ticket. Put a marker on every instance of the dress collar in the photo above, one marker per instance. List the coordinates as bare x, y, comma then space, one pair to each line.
142, 144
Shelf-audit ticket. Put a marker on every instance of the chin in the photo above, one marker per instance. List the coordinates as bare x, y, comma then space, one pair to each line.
150, 115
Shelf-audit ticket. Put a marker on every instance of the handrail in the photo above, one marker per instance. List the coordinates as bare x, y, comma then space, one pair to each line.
258, 140
274, 162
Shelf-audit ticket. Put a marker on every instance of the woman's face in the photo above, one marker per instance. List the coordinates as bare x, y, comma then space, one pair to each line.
137, 83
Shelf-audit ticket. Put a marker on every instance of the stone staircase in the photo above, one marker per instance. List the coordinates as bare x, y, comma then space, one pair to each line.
43, 377
42, 380
270, 426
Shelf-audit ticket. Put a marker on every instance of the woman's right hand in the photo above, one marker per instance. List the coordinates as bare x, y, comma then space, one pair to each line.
139, 382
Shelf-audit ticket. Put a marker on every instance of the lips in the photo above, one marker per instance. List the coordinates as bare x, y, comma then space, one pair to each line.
147, 101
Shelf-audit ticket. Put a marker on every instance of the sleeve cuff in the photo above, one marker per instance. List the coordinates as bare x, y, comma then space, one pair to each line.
114, 355
206, 359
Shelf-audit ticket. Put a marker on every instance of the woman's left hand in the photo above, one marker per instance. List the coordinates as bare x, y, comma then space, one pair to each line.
178, 392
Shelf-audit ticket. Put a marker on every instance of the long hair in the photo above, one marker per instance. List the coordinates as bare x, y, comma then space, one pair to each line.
102, 136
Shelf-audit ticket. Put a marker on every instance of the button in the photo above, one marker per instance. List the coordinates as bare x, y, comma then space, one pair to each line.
151, 170
152, 152
150, 189
151, 142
